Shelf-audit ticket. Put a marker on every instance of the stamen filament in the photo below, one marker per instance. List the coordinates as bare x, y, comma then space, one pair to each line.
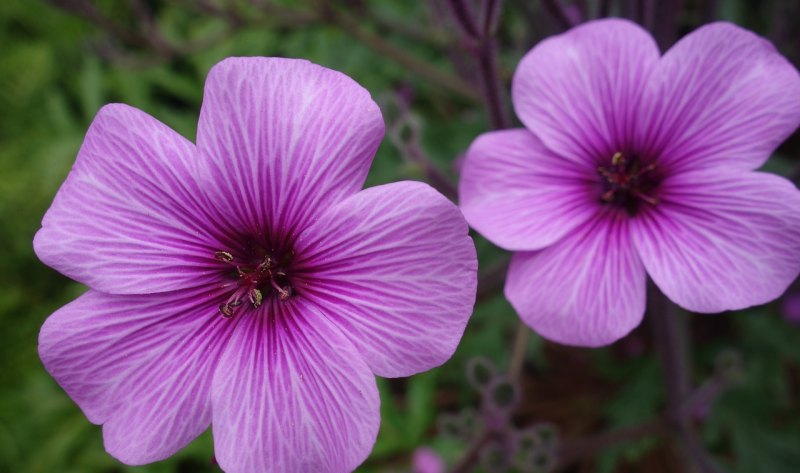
650, 200
265, 265
625, 183
255, 278
283, 293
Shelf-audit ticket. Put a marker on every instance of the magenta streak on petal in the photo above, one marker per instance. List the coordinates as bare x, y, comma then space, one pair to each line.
520, 194
588, 289
312, 130
394, 268
722, 240
130, 217
579, 92
721, 97
294, 391
141, 365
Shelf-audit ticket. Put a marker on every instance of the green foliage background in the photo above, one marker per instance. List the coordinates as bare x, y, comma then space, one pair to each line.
53, 81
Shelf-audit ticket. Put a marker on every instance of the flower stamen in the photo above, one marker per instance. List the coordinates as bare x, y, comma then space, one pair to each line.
283, 292
255, 297
626, 183
258, 273
223, 256
228, 308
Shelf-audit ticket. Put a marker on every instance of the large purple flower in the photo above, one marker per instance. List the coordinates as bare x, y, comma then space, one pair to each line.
248, 282
636, 164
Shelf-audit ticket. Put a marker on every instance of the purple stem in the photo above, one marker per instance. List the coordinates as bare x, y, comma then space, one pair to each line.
490, 16
694, 446
471, 457
583, 8
464, 19
604, 9
703, 396
795, 175
490, 84
665, 29
559, 14
639, 15
521, 338
379, 44
648, 10
482, 44
708, 11
572, 450
671, 335
405, 134
576, 449
491, 280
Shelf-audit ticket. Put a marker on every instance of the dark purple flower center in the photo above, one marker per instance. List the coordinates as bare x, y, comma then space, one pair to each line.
627, 183
255, 274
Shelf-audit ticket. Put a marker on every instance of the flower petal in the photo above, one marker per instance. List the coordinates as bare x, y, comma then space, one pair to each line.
284, 139
292, 395
579, 91
394, 268
140, 365
129, 217
587, 290
722, 96
520, 195
722, 240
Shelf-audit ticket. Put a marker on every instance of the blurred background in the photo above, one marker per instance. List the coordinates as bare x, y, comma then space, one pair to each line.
61, 60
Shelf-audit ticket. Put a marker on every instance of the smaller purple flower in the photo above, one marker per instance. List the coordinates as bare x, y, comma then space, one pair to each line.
247, 282
634, 164
426, 460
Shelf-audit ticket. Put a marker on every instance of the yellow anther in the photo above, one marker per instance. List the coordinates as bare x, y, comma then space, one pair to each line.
223, 256
256, 297
226, 310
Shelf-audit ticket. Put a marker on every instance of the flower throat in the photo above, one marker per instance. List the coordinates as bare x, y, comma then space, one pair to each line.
259, 275
627, 184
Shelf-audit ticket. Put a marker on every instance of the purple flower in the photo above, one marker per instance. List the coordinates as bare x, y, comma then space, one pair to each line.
634, 164
426, 460
248, 282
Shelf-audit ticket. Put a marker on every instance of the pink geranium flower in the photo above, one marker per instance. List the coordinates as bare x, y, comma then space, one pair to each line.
248, 282
426, 460
634, 164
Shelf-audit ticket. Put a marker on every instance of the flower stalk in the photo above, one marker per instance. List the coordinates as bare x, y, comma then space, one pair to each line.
405, 134
480, 41
409, 61
671, 335
557, 11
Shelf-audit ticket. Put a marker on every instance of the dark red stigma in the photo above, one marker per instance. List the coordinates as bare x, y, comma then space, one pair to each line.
627, 183
254, 277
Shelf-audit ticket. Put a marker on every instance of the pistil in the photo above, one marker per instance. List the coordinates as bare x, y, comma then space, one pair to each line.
626, 183
254, 279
